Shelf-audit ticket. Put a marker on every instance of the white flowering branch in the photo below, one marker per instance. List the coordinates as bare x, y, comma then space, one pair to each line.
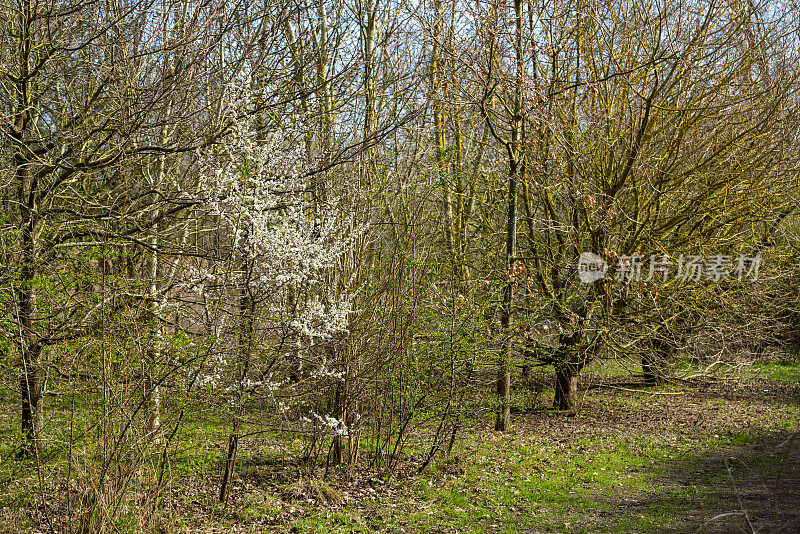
259, 185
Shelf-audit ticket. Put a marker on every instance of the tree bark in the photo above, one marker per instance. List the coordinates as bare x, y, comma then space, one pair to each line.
27, 194
339, 411
32, 376
246, 339
230, 463
566, 388
31, 384
650, 369
439, 126
654, 362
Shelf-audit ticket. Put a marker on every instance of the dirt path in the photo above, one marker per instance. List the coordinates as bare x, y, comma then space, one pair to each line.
754, 487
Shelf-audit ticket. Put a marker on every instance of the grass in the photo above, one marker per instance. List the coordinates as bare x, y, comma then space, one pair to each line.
648, 480
787, 370
515, 483
654, 460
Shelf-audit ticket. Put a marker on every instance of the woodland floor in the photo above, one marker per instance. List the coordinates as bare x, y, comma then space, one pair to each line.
709, 454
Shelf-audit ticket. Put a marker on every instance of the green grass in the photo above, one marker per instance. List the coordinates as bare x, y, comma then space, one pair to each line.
520, 483
517, 487
787, 370
602, 478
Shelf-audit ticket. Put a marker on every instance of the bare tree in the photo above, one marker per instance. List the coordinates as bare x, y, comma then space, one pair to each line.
89, 90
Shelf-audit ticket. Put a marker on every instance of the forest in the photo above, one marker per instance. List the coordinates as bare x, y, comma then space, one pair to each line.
440, 266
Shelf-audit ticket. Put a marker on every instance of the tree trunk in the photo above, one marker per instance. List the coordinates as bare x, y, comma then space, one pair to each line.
153, 356
153, 353
650, 369
32, 377
246, 338
654, 362
31, 384
230, 463
339, 411
566, 388
503, 421
516, 171
504, 368
439, 125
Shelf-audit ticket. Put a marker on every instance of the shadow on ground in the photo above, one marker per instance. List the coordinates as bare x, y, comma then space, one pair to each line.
752, 488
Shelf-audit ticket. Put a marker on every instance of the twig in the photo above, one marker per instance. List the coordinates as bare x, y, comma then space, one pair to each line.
719, 516
609, 386
739, 497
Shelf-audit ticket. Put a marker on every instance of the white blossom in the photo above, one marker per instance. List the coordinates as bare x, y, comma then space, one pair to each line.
338, 426
258, 183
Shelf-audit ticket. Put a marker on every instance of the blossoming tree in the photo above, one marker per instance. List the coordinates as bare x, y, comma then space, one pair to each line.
283, 247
